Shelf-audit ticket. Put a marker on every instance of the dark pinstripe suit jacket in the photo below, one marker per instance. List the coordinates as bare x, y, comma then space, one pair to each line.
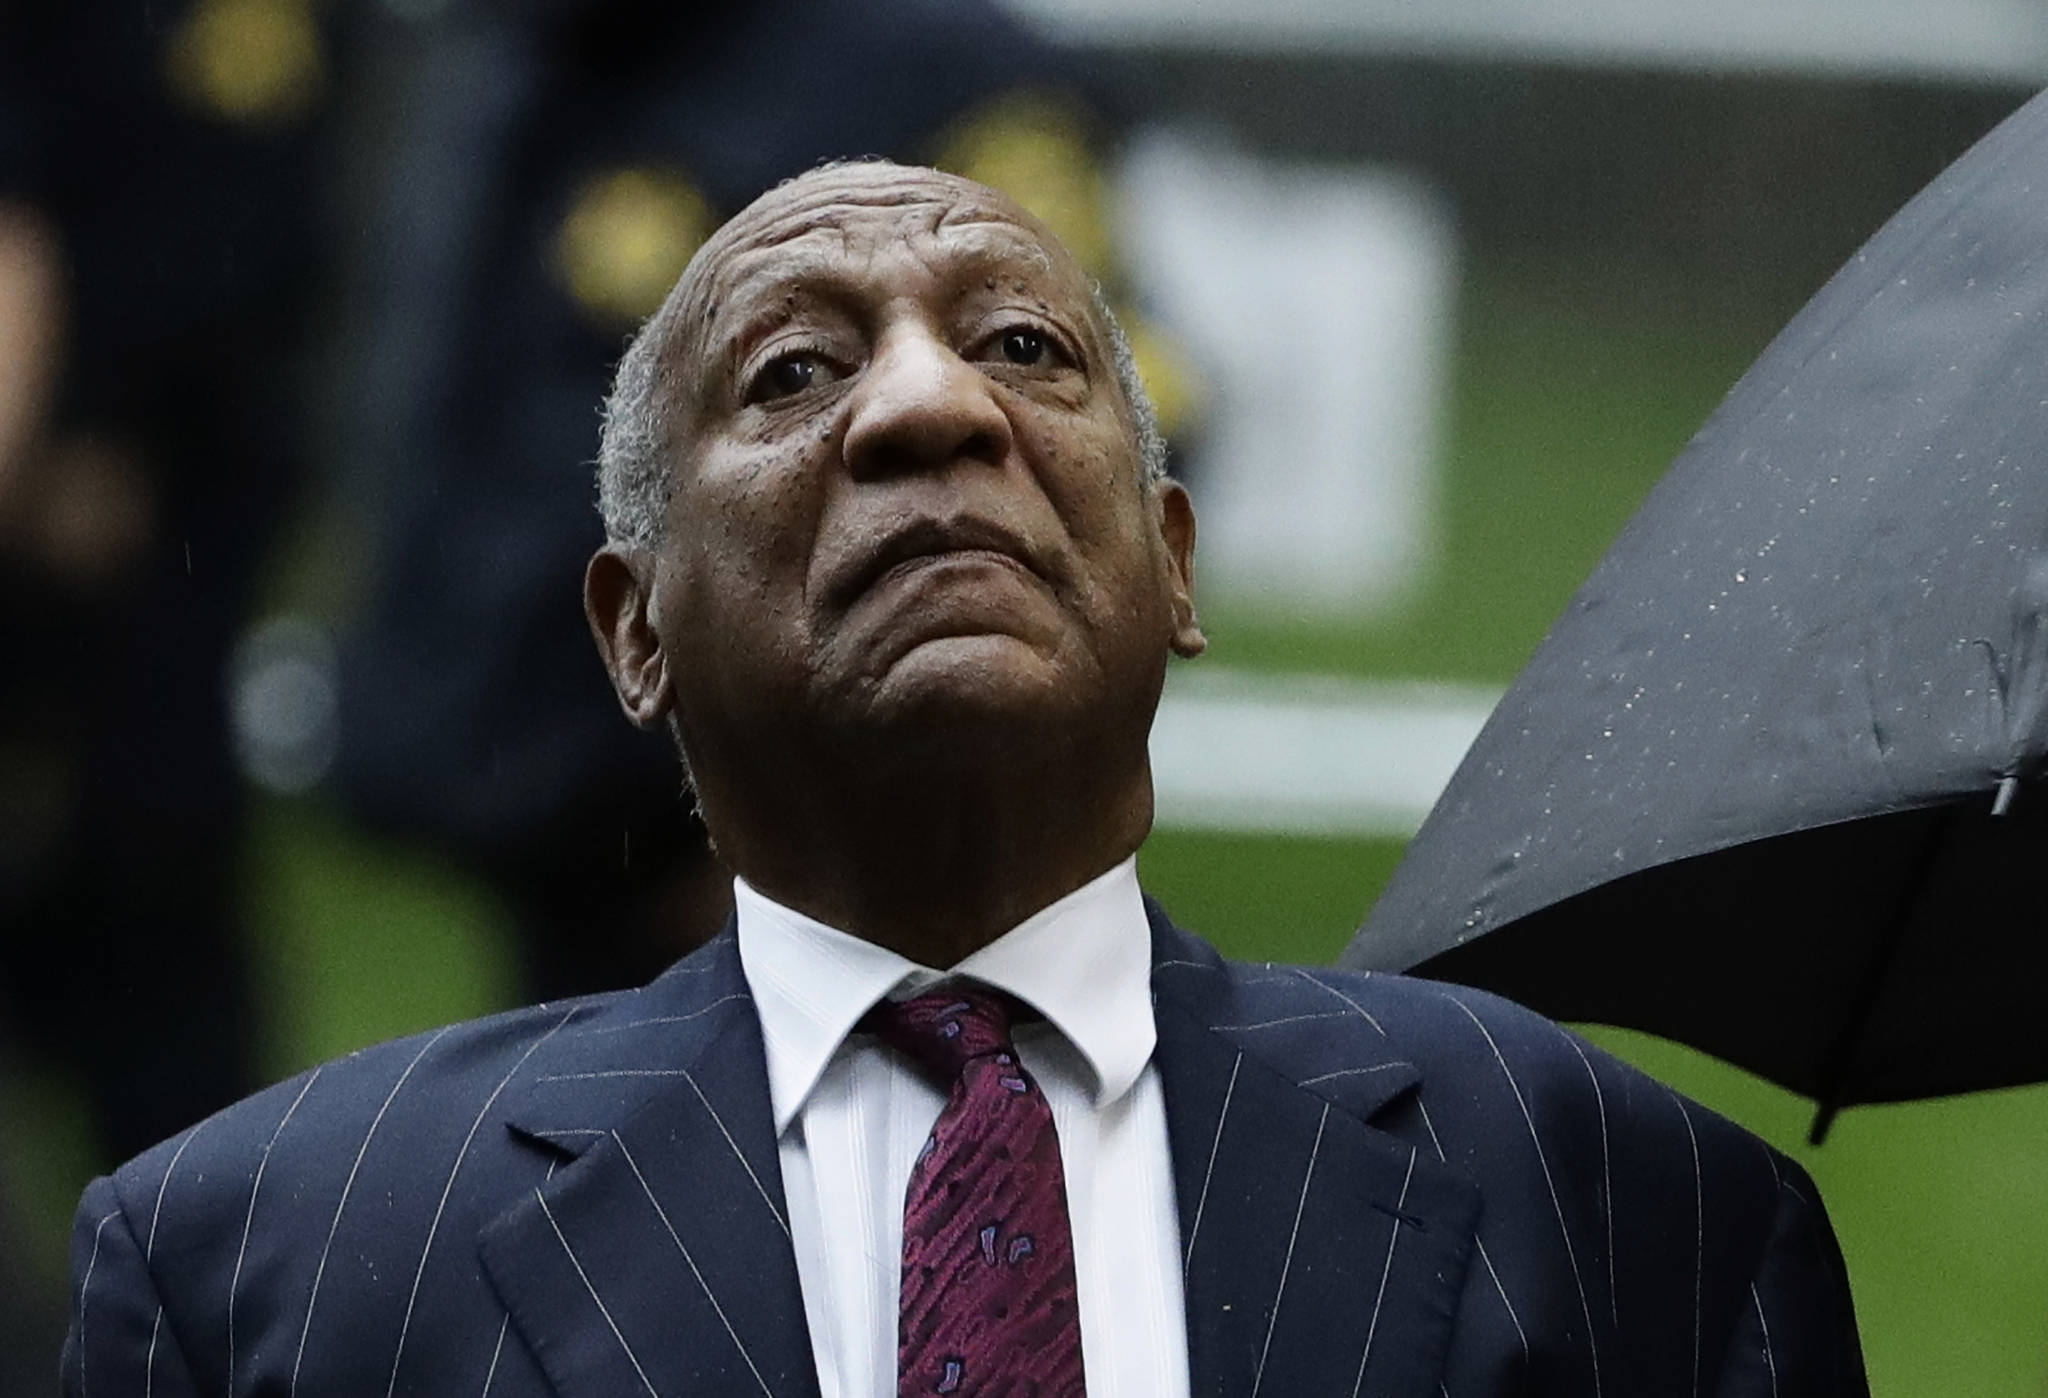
1385, 1187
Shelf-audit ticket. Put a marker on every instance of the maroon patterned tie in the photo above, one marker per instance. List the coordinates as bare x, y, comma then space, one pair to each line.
988, 1305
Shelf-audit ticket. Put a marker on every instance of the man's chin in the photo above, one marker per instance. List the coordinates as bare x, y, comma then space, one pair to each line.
962, 684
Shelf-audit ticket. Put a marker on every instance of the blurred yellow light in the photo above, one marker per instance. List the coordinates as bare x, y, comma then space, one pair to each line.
628, 235
253, 61
1170, 380
1034, 148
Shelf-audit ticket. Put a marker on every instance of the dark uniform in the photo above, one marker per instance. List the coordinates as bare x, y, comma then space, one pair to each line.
167, 146
162, 147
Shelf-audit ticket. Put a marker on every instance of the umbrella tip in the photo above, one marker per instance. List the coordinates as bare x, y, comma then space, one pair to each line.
1823, 1119
2001, 801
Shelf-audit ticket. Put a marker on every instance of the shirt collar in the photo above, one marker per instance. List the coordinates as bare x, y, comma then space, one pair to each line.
1084, 962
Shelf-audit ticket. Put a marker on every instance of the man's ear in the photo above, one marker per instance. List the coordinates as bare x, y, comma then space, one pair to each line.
618, 588
1177, 528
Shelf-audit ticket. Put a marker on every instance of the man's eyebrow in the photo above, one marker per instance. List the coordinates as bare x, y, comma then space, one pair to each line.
752, 273
759, 300
759, 276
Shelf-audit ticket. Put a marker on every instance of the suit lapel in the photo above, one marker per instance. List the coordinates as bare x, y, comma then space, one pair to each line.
656, 1258
1321, 1255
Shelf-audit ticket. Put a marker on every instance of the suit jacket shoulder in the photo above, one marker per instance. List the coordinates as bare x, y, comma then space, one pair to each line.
1628, 1241
323, 1235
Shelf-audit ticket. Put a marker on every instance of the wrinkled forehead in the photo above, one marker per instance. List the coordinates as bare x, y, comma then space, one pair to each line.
841, 221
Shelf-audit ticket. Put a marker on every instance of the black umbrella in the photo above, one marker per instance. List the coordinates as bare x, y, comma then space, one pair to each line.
1776, 784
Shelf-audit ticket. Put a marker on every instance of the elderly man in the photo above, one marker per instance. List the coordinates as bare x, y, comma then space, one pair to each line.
952, 1109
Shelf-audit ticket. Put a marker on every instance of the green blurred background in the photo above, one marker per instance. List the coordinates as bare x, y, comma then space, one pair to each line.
1629, 242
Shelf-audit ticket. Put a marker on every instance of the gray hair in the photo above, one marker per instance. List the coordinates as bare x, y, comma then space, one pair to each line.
634, 481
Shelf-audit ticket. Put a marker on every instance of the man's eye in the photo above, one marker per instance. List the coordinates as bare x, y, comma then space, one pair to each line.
787, 375
1025, 346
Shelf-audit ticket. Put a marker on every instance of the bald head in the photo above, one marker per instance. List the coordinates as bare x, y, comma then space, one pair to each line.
771, 246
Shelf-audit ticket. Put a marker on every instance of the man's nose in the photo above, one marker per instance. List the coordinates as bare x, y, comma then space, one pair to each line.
919, 407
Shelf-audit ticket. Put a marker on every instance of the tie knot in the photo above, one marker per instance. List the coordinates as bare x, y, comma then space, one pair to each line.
947, 1028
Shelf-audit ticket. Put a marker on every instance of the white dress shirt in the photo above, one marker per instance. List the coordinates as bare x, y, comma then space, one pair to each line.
851, 1115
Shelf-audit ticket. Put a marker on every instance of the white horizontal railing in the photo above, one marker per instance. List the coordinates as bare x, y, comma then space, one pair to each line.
2004, 41
1239, 750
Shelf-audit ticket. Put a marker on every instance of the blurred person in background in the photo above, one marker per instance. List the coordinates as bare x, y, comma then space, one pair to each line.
543, 171
155, 253
154, 250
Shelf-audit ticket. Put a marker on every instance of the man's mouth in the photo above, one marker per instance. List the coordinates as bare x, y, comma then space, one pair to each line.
926, 540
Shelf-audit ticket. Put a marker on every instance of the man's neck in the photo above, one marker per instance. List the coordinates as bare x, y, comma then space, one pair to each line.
936, 870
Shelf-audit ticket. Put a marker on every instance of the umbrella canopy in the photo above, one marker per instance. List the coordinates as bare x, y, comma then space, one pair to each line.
1776, 784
